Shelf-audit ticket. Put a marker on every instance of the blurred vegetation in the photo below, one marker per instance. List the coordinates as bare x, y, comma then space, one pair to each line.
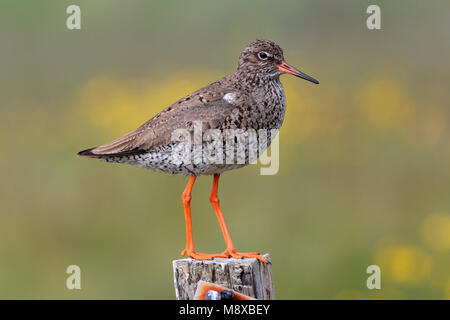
364, 167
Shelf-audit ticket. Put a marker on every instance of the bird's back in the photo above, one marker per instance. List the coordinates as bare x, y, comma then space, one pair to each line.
222, 106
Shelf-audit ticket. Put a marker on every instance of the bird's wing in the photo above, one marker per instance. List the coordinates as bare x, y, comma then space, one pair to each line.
157, 132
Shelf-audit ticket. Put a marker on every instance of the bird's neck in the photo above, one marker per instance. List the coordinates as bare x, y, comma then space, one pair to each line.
248, 79
268, 97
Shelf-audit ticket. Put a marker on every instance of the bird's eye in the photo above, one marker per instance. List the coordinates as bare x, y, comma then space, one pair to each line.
263, 55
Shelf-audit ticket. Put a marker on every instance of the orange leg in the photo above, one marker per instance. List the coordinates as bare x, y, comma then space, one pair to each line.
189, 250
230, 247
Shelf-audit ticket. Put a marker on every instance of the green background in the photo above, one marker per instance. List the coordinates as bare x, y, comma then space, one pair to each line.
364, 157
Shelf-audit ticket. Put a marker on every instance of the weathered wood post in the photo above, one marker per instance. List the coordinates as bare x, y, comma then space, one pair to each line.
248, 276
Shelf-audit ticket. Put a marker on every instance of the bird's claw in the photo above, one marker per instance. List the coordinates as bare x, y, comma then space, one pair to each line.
202, 256
241, 255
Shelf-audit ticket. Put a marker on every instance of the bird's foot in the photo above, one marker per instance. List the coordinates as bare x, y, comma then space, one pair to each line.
202, 256
241, 255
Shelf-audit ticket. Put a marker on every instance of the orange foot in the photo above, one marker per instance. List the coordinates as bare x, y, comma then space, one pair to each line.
240, 255
202, 256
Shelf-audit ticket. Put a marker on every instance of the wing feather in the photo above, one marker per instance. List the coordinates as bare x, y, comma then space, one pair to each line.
157, 131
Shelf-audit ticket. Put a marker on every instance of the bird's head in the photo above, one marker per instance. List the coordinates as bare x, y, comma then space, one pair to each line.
264, 59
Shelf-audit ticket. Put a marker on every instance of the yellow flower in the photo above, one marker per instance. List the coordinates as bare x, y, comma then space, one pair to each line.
386, 104
405, 264
121, 105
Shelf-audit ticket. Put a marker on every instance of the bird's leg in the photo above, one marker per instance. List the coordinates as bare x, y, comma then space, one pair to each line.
189, 250
231, 250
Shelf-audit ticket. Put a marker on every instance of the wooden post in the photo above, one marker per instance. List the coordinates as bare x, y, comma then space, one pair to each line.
248, 276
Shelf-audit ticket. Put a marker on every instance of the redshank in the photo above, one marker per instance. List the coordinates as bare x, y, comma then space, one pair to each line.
250, 99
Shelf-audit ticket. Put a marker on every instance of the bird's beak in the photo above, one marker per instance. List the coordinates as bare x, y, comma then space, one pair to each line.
287, 68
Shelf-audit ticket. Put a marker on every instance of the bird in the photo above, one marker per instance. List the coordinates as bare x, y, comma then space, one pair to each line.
252, 98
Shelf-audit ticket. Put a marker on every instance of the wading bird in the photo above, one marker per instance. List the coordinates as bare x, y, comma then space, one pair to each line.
251, 98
